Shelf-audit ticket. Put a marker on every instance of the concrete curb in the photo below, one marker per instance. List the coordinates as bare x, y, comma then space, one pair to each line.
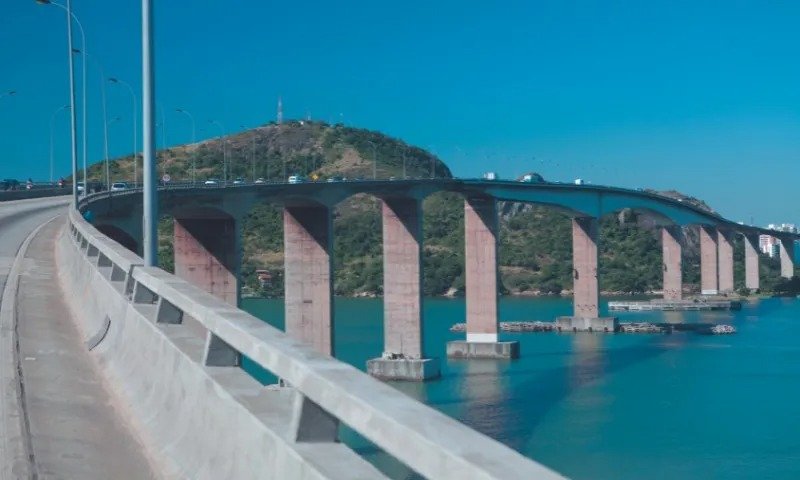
16, 454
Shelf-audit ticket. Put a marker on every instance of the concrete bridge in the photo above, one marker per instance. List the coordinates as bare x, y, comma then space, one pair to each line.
111, 369
207, 245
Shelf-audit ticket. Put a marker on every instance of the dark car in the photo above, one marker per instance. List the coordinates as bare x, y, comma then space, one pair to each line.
10, 184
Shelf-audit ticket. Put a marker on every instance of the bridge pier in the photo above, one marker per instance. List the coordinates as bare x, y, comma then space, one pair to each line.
708, 260
787, 257
751, 260
403, 357
671, 248
480, 265
207, 254
586, 290
725, 251
307, 247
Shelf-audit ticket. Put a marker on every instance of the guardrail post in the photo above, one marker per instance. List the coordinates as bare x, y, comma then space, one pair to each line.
310, 423
307, 247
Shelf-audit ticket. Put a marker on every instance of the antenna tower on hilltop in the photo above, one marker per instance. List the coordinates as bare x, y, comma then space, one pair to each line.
280, 111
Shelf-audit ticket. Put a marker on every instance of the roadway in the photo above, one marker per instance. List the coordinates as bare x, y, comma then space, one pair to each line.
57, 418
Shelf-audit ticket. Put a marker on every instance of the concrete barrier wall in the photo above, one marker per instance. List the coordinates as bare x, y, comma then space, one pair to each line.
170, 351
23, 194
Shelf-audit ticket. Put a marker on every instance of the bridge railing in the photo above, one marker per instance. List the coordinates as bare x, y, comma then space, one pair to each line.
424, 439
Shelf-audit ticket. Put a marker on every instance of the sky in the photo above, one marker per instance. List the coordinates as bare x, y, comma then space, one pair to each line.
696, 96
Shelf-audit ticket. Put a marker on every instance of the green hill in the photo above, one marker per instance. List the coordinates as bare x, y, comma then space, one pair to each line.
535, 242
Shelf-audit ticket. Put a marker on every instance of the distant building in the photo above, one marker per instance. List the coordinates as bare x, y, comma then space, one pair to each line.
770, 245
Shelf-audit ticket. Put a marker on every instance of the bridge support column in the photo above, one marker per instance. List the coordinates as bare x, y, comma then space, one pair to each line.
207, 255
403, 357
307, 247
708, 260
787, 257
671, 248
751, 267
725, 248
480, 264
586, 291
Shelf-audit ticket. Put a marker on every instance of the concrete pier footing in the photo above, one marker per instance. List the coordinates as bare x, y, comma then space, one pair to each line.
583, 324
586, 299
496, 350
751, 279
708, 260
725, 259
308, 243
671, 247
411, 369
787, 257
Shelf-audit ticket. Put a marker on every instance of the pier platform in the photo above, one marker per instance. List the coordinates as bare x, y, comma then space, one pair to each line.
674, 305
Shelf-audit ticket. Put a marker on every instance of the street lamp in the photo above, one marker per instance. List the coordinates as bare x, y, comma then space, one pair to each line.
105, 115
135, 136
194, 151
52, 120
224, 154
74, 134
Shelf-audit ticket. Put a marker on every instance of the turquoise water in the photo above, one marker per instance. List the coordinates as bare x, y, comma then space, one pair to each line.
610, 406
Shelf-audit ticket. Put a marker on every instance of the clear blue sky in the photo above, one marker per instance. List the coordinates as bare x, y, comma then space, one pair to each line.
697, 96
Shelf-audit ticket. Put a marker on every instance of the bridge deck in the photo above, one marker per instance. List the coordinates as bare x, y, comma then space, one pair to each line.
75, 429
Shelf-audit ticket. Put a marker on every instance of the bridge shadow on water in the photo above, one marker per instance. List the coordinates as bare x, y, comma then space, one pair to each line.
507, 403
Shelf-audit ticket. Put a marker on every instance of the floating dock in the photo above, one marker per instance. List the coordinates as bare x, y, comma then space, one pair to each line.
674, 305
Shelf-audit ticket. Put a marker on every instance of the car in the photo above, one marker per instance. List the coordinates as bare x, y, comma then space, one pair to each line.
118, 186
334, 179
260, 181
239, 181
80, 187
211, 181
296, 179
580, 181
490, 176
531, 178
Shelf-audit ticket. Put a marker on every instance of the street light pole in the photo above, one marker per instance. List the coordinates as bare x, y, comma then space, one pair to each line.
253, 154
71, 16
374, 160
105, 115
194, 152
134, 117
52, 120
224, 154
148, 137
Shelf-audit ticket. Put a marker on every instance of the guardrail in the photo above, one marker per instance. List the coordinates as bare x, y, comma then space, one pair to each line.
327, 391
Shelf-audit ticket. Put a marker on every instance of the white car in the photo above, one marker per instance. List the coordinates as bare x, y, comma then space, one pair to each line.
259, 181
297, 179
118, 186
239, 181
79, 187
211, 181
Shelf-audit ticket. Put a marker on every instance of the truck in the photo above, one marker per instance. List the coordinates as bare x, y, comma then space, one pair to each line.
490, 176
579, 181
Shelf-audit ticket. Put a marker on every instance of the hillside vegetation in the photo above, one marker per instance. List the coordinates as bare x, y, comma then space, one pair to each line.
535, 250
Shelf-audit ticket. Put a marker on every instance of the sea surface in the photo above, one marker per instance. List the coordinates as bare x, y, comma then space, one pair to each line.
599, 406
